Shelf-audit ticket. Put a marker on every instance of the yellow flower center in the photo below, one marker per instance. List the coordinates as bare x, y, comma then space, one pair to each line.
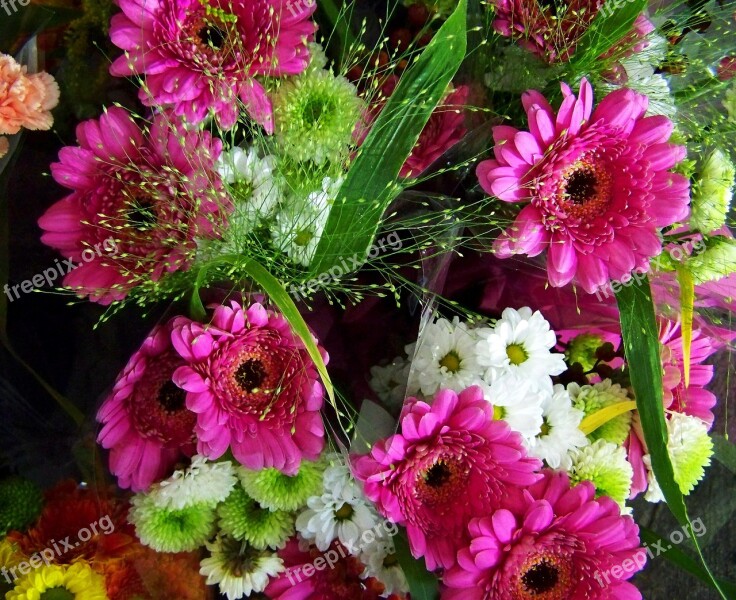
344, 512
499, 412
516, 354
451, 362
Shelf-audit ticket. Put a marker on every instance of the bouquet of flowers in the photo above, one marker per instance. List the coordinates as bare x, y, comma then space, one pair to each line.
443, 295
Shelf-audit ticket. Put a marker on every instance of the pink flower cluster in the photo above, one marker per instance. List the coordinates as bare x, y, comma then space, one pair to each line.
473, 503
244, 381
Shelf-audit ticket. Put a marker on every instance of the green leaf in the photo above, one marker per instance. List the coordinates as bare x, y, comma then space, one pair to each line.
613, 22
682, 560
725, 452
641, 343
280, 297
423, 585
372, 181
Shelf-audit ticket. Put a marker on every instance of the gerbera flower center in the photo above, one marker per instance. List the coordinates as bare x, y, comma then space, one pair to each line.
344, 512
157, 406
171, 397
437, 475
585, 189
439, 484
142, 212
250, 374
516, 353
212, 36
451, 361
57, 593
545, 577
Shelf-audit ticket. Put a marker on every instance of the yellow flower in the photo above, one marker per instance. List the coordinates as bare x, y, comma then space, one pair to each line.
60, 582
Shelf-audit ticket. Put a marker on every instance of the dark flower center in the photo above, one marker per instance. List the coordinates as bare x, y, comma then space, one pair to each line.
57, 593
250, 374
582, 185
142, 213
553, 6
437, 475
212, 36
540, 578
171, 397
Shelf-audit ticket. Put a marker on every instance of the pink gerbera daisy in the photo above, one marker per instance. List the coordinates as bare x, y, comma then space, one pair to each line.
253, 386
450, 462
203, 55
145, 422
597, 185
445, 128
549, 541
151, 191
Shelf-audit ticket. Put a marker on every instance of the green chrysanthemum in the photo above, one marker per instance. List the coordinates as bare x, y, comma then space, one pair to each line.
690, 449
168, 529
582, 350
244, 519
717, 261
20, 504
315, 115
592, 398
712, 193
276, 491
605, 465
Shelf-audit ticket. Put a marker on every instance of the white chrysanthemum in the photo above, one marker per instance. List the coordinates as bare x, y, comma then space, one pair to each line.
560, 430
252, 184
300, 223
690, 449
389, 382
519, 403
605, 465
445, 358
203, 482
381, 563
341, 513
238, 569
521, 344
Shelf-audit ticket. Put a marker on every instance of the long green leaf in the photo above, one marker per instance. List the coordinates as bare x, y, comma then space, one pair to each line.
682, 560
280, 297
641, 343
613, 22
371, 183
422, 584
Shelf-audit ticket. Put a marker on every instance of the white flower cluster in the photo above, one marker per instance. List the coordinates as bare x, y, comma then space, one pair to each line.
513, 362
